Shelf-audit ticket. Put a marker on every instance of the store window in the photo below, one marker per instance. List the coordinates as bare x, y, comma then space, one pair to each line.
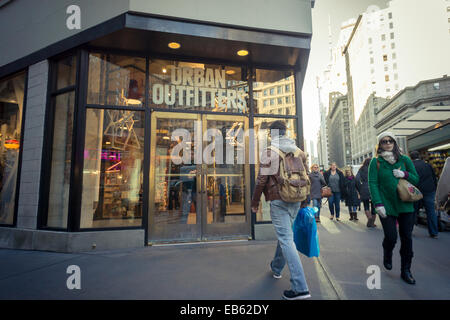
113, 169
116, 80
66, 71
58, 205
11, 112
272, 78
262, 132
197, 86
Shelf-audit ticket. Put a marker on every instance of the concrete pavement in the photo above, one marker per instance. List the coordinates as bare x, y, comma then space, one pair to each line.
232, 270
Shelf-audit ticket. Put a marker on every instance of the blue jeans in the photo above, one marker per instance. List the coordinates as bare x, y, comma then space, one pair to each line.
334, 203
432, 221
283, 215
317, 203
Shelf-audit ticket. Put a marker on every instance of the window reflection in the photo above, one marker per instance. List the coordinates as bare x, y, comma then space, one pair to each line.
11, 108
274, 86
116, 80
112, 174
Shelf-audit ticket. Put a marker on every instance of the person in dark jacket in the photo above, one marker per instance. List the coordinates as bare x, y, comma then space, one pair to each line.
362, 184
351, 194
335, 180
427, 185
317, 182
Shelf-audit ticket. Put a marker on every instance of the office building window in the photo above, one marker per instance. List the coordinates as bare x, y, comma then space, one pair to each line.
385, 68
272, 102
394, 66
392, 35
287, 88
383, 37
390, 15
394, 55
370, 40
392, 45
436, 86
391, 25
272, 91
371, 60
385, 57
395, 76
279, 100
279, 89
386, 78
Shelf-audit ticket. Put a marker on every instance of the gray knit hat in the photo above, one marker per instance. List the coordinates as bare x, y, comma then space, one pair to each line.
387, 134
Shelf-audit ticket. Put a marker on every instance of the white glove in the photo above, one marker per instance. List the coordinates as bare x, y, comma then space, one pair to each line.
381, 211
398, 173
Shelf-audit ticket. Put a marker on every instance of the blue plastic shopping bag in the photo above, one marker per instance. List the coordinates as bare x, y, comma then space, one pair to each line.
305, 232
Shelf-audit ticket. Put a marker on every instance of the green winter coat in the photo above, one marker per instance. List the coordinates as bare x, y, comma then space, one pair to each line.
383, 184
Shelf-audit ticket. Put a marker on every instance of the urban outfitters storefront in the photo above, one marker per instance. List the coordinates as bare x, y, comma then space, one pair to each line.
149, 136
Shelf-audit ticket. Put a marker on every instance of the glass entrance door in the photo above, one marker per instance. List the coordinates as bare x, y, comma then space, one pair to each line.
225, 173
199, 178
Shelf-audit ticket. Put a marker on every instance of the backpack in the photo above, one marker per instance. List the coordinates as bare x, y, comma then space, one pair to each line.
293, 180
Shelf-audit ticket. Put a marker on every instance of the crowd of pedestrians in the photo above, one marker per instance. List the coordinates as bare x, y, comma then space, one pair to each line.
292, 186
375, 186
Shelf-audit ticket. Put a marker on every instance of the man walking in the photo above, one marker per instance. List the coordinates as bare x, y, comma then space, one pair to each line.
427, 185
282, 212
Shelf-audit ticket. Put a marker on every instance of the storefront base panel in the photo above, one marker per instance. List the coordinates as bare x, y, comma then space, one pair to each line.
70, 242
265, 232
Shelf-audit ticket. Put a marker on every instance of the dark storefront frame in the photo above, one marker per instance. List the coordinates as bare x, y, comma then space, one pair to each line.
80, 88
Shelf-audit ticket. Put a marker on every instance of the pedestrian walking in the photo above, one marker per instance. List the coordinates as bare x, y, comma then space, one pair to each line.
351, 194
443, 187
282, 212
335, 180
427, 185
317, 182
384, 173
362, 184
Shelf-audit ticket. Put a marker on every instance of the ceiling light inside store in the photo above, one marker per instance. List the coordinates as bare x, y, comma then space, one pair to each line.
230, 72
242, 53
166, 138
174, 45
164, 70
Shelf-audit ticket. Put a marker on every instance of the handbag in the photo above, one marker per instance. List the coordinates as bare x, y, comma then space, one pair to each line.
408, 192
325, 192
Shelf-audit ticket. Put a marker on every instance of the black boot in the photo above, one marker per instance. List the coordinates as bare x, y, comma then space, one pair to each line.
355, 216
406, 271
387, 259
351, 216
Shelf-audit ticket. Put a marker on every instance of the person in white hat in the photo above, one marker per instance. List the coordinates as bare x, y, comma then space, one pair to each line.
385, 170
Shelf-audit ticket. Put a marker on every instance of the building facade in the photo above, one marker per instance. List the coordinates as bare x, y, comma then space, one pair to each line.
384, 45
420, 117
116, 118
365, 136
338, 123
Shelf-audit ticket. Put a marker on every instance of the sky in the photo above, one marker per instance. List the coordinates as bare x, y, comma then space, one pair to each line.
338, 11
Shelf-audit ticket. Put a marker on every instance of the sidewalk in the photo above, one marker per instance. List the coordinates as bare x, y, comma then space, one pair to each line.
231, 270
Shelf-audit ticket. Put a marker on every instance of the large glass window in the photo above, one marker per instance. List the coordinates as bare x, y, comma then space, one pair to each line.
58, 204
116, 80
66, 71
11, 111
197, 86
269, 80
113, 172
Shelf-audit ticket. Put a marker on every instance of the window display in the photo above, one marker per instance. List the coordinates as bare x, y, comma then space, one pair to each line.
113, 174
11, 112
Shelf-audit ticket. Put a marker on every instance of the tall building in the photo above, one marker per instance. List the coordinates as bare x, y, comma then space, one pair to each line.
389, 50
332, 79
338, 121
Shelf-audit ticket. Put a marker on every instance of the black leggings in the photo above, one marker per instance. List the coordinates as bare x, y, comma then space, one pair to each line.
405, 228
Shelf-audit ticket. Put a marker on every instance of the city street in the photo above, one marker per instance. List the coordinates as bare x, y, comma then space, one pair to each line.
233, 270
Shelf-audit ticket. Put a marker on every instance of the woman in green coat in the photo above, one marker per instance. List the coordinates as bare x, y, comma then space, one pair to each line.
385, 170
